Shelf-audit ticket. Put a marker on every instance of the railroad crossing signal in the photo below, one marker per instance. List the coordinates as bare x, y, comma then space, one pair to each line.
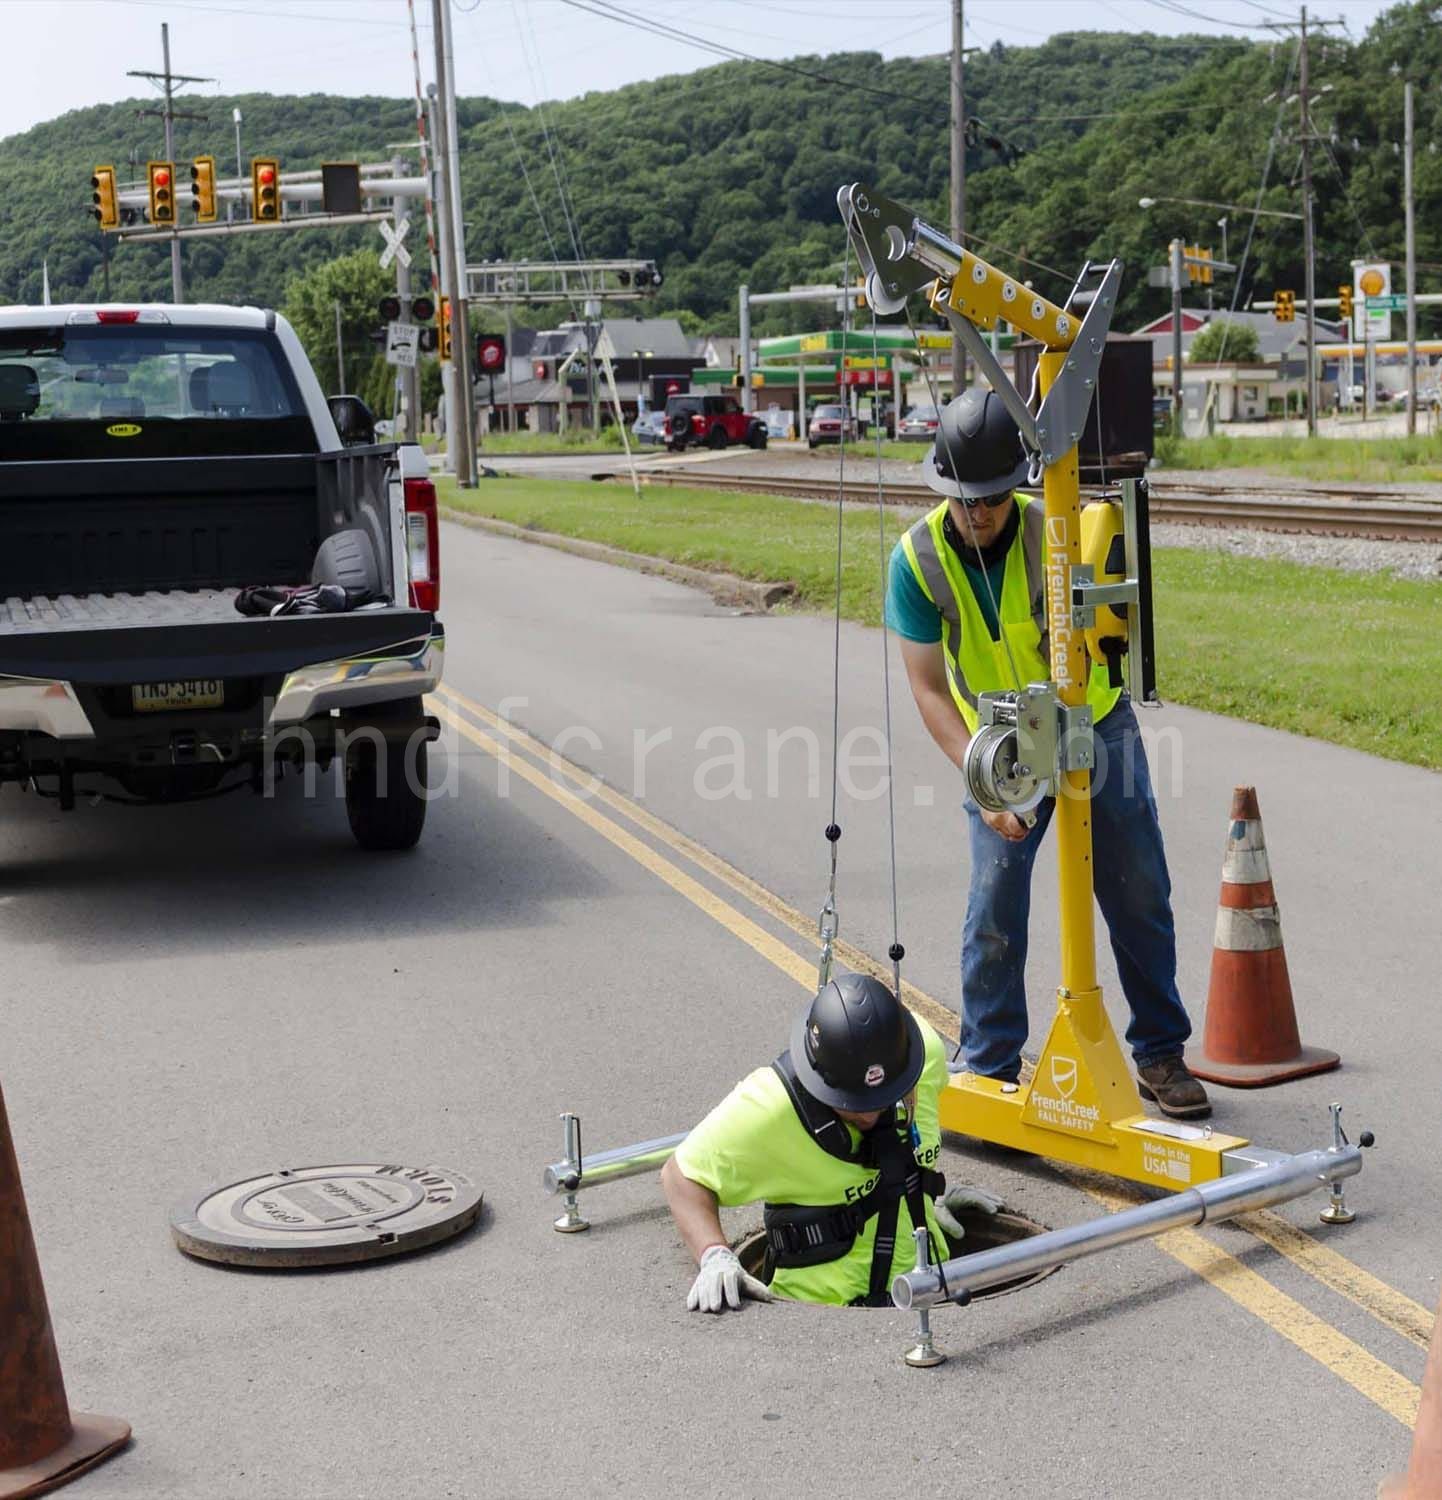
160, 177
1284, 308
1344, 301
422, 309
443, 330
103, 195
265, 189
395, 243
202, 189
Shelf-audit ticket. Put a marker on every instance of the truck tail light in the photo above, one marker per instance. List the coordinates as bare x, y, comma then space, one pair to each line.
423, 544
698, 423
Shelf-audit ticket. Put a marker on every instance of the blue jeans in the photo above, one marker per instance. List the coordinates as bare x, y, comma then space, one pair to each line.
1132, 887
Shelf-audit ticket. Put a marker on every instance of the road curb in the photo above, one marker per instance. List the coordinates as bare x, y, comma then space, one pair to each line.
725, 588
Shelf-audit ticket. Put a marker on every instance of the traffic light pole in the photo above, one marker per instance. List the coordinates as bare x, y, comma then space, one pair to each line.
1177, 273
408, 375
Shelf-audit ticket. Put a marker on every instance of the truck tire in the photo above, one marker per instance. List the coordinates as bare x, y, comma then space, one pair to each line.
756, 438
387, 811
716, 438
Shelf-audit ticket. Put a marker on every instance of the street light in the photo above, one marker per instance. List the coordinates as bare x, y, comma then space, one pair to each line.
1236, 208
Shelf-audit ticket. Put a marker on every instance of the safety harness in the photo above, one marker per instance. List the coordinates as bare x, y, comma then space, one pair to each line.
811, 1235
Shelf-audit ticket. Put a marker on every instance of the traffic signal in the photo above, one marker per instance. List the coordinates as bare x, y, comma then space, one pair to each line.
265, 189
1344, 298
160, 176
390, 309
202, 189
422, 309
443, 330
490, 353
104, 197
426, 340
1284, 306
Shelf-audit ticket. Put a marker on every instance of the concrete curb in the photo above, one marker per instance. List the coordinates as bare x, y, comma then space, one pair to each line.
725, 588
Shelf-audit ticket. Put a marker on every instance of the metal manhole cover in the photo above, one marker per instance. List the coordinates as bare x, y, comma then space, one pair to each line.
325, 1216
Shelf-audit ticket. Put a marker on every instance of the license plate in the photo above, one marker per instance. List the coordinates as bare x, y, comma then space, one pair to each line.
166, 697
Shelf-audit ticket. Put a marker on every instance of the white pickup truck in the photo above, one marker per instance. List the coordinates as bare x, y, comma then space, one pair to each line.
155, 462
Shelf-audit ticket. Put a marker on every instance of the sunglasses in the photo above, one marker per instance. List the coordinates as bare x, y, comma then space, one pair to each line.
989, 501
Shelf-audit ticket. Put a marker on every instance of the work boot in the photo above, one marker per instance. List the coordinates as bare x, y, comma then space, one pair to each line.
1169, 1084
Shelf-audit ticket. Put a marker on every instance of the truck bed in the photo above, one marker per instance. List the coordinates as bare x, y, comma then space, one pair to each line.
44, 613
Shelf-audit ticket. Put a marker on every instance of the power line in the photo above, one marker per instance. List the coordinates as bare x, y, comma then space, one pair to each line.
721, 49
1196, 15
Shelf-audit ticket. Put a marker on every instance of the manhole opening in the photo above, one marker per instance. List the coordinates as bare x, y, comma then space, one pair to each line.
984, 1231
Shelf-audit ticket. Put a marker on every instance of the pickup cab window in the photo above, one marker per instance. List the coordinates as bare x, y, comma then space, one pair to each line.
136, 390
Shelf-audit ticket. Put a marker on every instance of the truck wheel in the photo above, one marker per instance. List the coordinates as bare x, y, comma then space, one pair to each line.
386, 807
717, 437
757, 437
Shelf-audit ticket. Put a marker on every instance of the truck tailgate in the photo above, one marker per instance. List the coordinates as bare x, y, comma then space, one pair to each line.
116, 639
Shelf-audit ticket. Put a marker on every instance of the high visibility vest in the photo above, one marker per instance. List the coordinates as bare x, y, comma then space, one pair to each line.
975, 663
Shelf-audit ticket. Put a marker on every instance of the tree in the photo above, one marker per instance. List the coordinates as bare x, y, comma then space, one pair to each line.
357, 282
1223, 341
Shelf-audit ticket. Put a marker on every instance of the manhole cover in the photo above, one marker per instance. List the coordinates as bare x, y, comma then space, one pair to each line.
325, 1216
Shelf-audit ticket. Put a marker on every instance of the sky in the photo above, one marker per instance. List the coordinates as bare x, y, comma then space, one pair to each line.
526, 50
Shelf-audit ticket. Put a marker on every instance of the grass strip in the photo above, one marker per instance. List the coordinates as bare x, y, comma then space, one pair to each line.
1370, 460
1349, 658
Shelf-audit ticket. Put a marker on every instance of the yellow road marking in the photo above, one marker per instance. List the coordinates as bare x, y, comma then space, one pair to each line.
1348, 1360
1385, 1303
938, 1015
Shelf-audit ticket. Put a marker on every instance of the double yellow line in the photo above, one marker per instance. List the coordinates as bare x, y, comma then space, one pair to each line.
563, 782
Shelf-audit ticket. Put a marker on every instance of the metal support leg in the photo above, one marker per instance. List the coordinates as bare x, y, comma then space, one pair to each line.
1336, 1211
923, 1355
571, 1221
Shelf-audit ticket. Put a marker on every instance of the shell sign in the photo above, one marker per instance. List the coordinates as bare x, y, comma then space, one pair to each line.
1371, 280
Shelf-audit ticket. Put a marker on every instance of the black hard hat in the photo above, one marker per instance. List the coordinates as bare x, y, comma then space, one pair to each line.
856, 1047
978, 448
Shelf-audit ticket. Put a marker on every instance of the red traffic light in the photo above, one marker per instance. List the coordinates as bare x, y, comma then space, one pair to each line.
162, 177
490, 352
266, 175
423, 309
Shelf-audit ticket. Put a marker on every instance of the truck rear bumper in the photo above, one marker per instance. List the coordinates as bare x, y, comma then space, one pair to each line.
380, 673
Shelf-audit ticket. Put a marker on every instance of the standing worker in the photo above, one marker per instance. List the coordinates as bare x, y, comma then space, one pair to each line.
839, 1138
967, 596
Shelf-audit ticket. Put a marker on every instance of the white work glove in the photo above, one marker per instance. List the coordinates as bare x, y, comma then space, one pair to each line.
721, 1283
959, 1198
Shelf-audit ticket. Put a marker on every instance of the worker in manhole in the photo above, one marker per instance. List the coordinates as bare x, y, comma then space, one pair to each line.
967, 596
839, 1138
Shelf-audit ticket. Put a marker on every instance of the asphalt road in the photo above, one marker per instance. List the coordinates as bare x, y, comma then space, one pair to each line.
203, 991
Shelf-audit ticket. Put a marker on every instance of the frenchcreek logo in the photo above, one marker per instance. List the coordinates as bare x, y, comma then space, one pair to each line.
123, 429
1060, 1108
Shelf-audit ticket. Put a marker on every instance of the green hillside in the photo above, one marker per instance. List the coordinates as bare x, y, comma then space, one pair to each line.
729, 173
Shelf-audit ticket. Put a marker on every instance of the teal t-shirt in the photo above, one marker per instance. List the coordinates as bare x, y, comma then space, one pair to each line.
915, 618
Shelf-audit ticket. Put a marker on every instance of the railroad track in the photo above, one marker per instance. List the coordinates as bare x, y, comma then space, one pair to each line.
1319, 512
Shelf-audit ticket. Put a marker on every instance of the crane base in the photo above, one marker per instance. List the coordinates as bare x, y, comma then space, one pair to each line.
1081, 1106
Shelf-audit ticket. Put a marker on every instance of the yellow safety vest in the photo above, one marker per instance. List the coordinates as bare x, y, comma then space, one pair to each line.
975, 663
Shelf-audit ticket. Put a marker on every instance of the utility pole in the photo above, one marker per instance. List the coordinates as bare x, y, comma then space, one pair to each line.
1411, 271
339, 353
1304, 81
409, 375
1309, 246
958, 170
168, 80
445, 261
1178, 275
461, 404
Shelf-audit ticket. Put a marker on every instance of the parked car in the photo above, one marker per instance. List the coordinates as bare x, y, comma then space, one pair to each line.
919, 424
711, 422
649, 427
832, 424
171, 457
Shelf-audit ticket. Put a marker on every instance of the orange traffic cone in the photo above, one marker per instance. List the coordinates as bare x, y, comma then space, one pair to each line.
1251, 1034
42, 1442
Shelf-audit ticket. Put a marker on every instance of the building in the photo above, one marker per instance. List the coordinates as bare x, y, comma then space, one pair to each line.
551, 385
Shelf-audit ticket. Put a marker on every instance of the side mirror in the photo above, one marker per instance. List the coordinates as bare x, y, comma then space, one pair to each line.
354, 423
